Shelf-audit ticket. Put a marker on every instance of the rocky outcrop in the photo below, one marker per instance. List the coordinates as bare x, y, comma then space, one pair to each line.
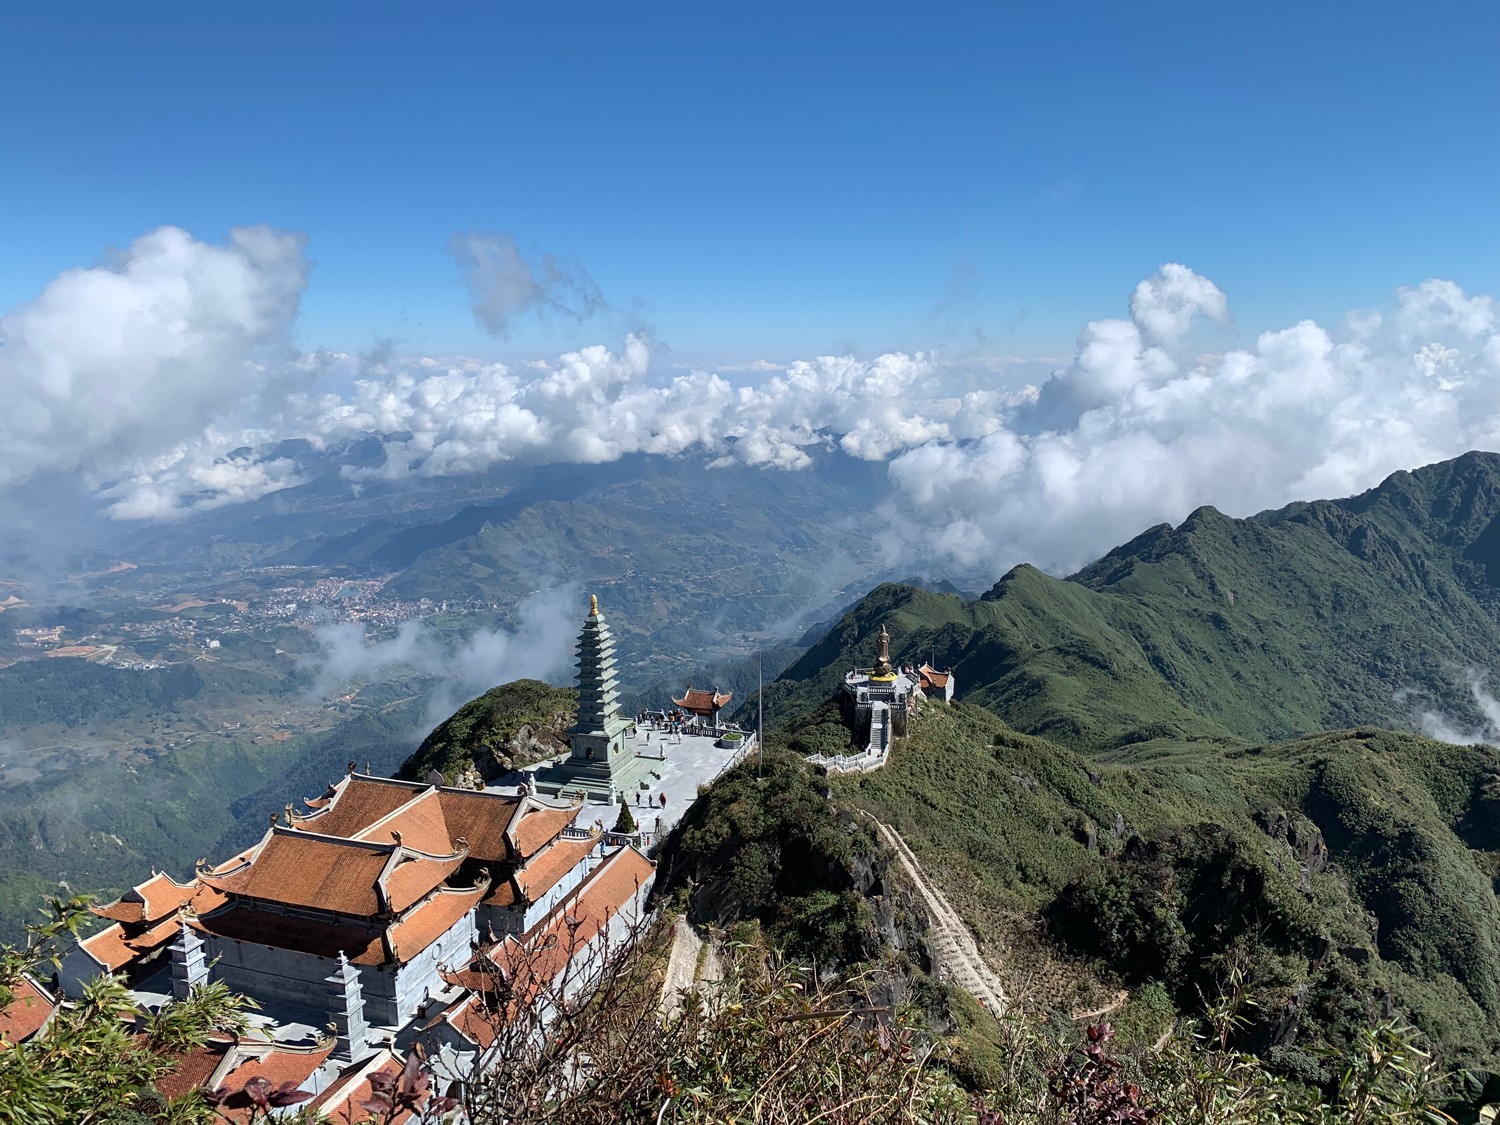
505, 729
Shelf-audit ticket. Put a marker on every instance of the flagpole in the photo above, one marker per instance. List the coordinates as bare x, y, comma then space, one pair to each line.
760, 720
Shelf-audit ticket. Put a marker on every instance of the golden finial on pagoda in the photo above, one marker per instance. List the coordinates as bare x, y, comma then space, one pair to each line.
593, 605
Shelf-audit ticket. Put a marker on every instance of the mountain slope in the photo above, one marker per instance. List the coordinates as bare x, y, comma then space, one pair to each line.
1319, 615
1338, 869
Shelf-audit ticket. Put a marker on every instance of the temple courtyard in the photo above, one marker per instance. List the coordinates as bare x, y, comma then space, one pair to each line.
678, 765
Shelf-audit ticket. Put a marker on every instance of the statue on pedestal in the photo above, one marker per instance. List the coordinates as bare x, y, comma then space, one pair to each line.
883, 653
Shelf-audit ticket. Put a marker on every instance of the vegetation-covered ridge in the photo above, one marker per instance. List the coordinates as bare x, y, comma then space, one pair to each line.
759, 1040
1343, 875
1321, 615
504, 729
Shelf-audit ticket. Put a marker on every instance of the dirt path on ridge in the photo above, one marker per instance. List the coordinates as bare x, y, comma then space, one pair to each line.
955, 954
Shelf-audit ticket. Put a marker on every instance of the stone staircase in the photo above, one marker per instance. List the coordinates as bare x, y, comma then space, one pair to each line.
880, 730
592, 780
955, 954
875, 755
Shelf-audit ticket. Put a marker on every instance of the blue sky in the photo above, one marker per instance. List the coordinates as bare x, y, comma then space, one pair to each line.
770, 180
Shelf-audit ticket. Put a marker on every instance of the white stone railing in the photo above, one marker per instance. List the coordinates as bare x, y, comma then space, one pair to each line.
851, 763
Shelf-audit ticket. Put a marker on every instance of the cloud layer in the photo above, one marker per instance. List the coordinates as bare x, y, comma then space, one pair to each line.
117, 363
1138, 428
539, 646
1446, 729
162, 378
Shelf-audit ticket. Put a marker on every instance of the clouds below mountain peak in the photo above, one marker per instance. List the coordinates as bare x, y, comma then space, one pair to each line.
1133, 431
164, 378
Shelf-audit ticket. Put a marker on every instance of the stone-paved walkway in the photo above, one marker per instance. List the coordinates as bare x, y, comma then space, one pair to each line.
955, 954
691, 761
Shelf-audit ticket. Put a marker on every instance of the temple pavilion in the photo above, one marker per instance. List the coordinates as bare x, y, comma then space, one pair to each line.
878, 703
704, 705
346, 913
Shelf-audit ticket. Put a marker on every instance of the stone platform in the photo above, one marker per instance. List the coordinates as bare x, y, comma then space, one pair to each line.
690, 761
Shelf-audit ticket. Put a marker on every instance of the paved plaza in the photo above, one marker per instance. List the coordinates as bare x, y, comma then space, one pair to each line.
689, 761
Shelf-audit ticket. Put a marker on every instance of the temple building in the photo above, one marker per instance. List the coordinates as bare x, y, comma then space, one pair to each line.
345, 914
381, 913
30, 1009
935, 684
145, 919
704, 705
878, 704
603, 762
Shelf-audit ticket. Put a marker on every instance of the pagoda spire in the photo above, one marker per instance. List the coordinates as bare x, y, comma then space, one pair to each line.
600, 725
603, 763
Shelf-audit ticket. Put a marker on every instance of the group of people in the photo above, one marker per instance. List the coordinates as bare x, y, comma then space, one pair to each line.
669, 722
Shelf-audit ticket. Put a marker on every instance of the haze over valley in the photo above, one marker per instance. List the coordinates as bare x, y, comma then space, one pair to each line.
978, 530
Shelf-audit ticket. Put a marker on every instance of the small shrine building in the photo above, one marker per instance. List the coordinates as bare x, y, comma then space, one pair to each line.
704, 705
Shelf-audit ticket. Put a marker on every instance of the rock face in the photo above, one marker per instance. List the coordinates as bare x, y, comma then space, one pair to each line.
814, 875
1301, 835
770, 851
529, 743
506, 728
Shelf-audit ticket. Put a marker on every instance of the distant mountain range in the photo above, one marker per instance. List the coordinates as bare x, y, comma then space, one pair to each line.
1140, 786
1145, 774
1375, 609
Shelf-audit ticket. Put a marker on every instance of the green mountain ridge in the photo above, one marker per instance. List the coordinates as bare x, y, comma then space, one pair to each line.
1167, 771
1319, 615
1346, 872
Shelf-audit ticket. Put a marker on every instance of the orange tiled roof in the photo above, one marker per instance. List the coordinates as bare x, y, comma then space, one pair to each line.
481, 819
702, 702
327, 873
302, 870
114, 947
241, 922
545, 952
546, 869
503, 893
343, 1101
29, 1009
473, 977
278, 1065
470, 1019
431, 920
206, 898
156, 898
193, 1068
933, 676
136, 905
414, 876
536, 825
420, 822
358, 802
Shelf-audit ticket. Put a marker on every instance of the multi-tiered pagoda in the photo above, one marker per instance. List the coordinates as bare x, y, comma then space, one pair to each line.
602, 764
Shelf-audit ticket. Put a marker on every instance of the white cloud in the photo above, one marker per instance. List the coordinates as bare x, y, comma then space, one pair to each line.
1165, 305
149, 377
1133, 432
1446, 729
122, 360
539, 646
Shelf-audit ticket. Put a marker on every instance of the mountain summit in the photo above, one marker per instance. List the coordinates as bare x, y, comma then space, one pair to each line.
1379, 608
